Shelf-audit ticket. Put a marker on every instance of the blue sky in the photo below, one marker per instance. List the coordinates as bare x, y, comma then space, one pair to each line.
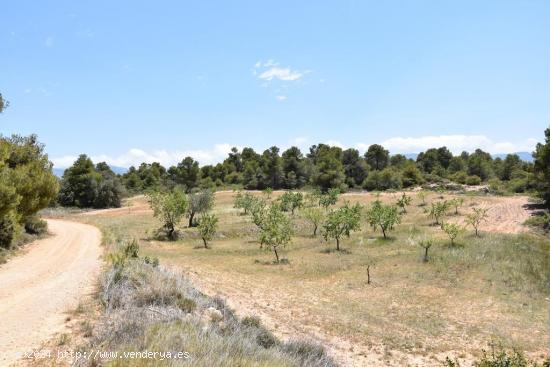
127, 81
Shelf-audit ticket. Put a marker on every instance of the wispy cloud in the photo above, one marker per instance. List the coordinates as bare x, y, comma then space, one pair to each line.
270, 71
135, 157
455, 143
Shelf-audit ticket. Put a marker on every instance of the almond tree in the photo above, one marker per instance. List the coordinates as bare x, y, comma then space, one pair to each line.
383, 216
208, 225
276, 229
341, 222
315, 216
403, 202
452, 230
476, 218
169, 208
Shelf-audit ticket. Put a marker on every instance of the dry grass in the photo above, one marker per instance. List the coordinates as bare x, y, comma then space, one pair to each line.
493, 288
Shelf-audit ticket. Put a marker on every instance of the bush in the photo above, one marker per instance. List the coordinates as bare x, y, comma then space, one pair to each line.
9, 230
383, 180
500, 358
473, 180
35, 225
539, 221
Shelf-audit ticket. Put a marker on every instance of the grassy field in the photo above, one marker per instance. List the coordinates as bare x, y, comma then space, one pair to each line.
492, 289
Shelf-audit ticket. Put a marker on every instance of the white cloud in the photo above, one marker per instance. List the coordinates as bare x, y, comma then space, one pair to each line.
285, 74
281, 98
135, 157
270, 70
455, 143
299, 141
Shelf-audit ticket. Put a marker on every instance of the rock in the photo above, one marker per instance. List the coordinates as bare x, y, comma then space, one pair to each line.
214, 315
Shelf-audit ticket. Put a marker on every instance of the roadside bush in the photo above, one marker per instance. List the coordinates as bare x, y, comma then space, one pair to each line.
9, 230
35, 225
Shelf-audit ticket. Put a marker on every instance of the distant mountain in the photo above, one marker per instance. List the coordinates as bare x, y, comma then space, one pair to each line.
118, 170
524, 156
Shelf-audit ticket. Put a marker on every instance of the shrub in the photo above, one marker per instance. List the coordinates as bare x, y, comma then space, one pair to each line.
9, 230
438, 210
290, 201
387, 179
539, 221
476, 218
473, 180
452, 230
35, 225
276, 229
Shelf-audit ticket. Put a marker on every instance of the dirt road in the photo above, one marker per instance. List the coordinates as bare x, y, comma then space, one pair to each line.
39, 287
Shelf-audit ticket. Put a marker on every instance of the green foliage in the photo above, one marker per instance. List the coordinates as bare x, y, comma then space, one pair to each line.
35, 225
3, 103
185, 174
542, 168
539, 221
208, 225
199, 202
388, 179
244, 201
377, 157
87, 186
170, 208
456, 203
315, 216
355, 167
341, 222
473, 180
328, 168
383, 216
290, 201
438, 211
476, 218
403, 202
452, 230
501, 358
27, 184
426, 244
328, 198
276, 229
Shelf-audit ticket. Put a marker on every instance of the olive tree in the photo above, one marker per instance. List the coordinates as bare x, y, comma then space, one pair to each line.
199, 202
290, 201
476, 218
315, 216
208, 225
170, 208
276, 229
383, 216
341, 222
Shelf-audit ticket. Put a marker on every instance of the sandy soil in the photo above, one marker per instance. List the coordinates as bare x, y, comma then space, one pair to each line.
505, 215
39, 287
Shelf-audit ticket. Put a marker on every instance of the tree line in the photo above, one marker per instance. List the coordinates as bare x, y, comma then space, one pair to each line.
327, 167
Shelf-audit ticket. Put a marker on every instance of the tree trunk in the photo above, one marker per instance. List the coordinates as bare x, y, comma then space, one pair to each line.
171, 231
205, 243
315, 231
276, 254
384, 232
191, 216
426, 254
337, 244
